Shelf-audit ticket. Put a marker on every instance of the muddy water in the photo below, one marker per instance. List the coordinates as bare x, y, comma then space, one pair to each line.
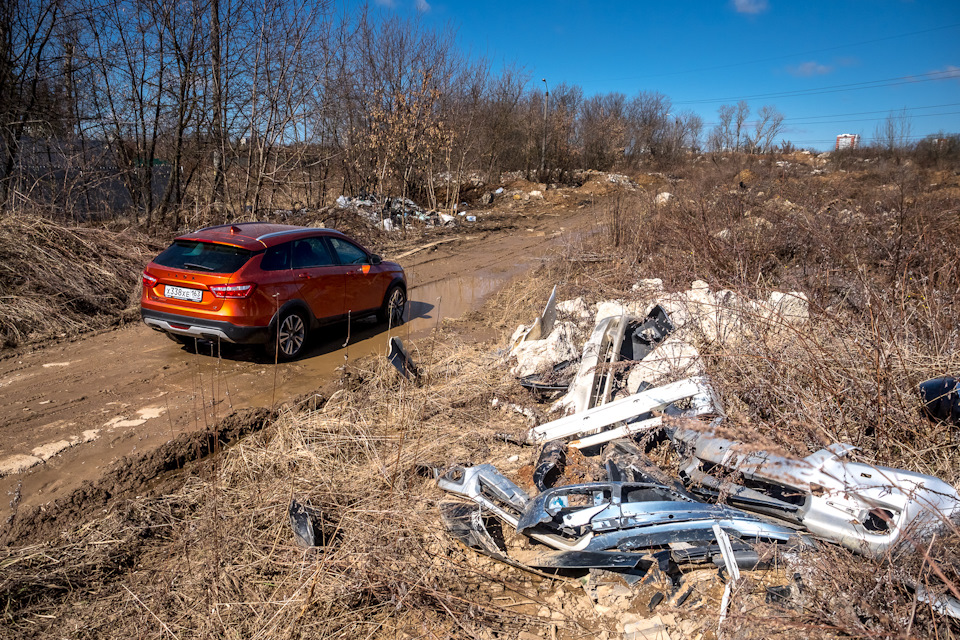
431, 299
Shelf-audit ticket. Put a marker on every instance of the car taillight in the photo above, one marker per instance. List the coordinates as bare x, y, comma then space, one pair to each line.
233, 290
149, 281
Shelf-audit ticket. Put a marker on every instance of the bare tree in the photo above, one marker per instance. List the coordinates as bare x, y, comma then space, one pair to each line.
721, 136
768, 126
27, 71
893, 133
740, 117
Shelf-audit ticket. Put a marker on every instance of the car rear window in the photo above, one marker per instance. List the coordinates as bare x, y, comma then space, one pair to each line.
208, 257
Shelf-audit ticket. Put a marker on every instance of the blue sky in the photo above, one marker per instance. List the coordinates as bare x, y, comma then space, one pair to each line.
830, 67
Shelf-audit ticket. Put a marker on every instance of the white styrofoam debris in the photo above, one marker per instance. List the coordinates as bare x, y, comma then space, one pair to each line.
539, 356
576, 308
671, 360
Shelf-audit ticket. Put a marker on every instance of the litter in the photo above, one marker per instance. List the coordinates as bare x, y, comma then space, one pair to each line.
301, 521
863, 507
941, 399
593, 384
550, 464
697, 389
401, 361
543, 325
627, 516
598, 517
587, 389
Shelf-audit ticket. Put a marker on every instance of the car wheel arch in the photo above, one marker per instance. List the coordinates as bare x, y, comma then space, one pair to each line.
293, 305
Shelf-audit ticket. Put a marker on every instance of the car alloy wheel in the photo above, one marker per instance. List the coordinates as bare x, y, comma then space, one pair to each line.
291, 335
394, 306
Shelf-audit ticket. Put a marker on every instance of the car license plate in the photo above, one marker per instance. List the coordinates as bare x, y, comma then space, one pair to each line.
182, 293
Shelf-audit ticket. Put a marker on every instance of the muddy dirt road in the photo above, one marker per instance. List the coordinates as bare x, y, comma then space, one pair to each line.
69, 412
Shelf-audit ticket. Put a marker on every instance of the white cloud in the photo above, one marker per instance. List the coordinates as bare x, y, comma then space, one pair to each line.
950, 71
750, 6
808, 69
423, 6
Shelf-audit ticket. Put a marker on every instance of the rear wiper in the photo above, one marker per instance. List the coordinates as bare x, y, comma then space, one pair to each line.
193, 265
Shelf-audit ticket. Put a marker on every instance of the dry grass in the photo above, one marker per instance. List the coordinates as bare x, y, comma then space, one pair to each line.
218, 558
58, 280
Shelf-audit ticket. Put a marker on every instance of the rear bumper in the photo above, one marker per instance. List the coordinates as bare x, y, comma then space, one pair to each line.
203, 329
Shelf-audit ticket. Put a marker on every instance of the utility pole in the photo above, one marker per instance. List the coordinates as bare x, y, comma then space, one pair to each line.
543, 145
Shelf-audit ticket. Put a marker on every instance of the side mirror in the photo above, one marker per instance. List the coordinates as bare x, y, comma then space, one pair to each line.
375, 259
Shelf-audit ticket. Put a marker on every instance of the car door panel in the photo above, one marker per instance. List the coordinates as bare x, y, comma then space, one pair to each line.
320, 280
364, 288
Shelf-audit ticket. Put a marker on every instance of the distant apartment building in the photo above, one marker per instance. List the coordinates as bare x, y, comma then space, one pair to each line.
848, 141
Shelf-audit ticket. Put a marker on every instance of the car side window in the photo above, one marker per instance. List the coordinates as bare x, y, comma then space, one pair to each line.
349, 253
310, 252
276, 258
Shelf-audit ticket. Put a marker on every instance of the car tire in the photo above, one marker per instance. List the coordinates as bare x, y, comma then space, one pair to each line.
394, 306
290, 337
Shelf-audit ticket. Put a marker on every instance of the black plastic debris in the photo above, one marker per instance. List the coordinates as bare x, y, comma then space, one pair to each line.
401, 361
779, 595
941, 399
645, 337
550, 464
622, 457
301, 521
549, 385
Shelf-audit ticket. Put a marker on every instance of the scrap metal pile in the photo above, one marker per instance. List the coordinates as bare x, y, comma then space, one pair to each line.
636, 385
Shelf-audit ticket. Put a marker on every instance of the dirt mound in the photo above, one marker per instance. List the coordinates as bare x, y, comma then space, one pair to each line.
59, 280
133, 474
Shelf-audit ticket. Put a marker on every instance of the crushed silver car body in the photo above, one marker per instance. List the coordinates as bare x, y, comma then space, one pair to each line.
864, 507
601, 517
631, 516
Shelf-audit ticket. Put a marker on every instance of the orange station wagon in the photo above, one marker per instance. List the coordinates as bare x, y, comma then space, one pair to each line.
256, 282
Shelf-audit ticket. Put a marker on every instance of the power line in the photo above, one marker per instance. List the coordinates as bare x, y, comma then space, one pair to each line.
865, 113
819, 119
917, 115
787, 56
917, 137
932, 76
794, 122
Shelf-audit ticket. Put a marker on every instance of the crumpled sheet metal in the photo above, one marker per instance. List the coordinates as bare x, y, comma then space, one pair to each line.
608, 525
629, 516
491, 490
465, 523
864, 507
